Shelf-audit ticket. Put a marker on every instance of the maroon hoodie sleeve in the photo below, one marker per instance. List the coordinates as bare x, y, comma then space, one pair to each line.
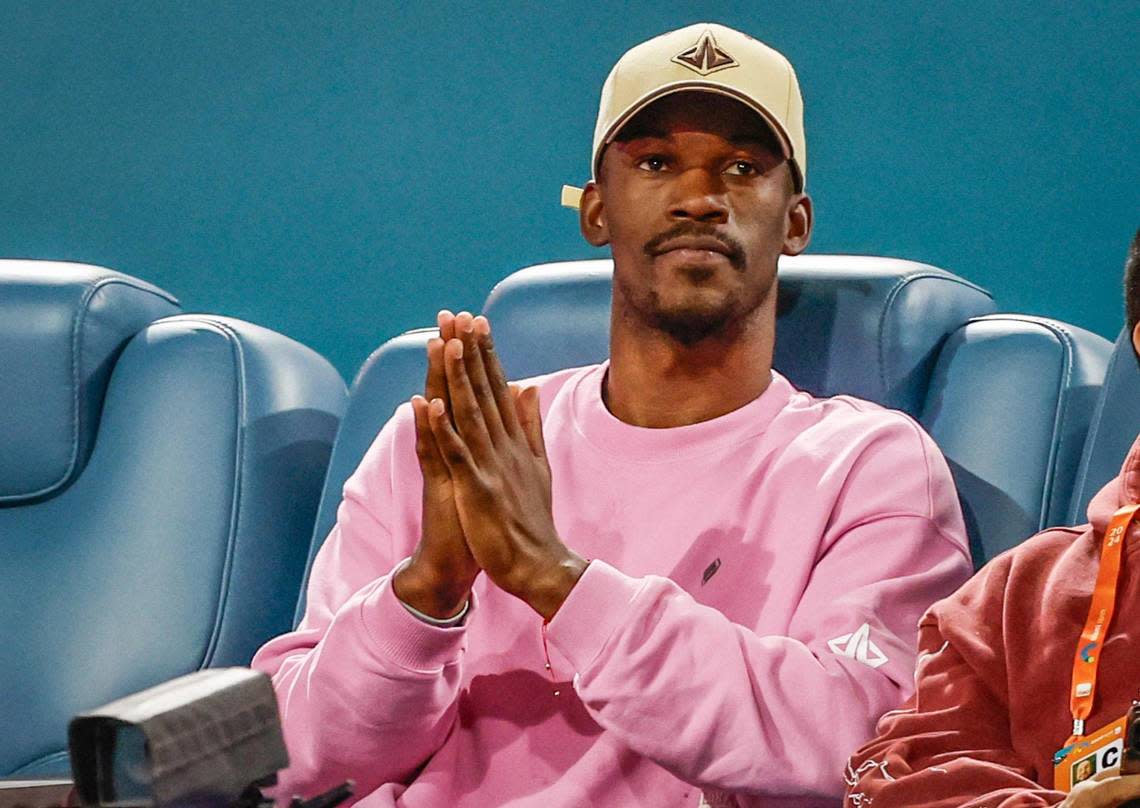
949, 746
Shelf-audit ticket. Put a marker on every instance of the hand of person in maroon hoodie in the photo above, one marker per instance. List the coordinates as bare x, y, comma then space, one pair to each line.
1107, 790
497, 459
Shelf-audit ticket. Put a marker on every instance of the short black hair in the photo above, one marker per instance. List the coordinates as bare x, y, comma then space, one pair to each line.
1132, 287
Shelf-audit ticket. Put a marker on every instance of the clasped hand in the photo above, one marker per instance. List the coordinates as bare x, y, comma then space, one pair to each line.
487, 485
1108, 789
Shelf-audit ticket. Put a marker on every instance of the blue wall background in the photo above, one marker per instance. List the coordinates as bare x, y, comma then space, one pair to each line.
338, 171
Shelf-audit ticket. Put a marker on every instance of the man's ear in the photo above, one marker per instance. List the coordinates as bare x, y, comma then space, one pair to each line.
592, 216
1136, 339
800, 219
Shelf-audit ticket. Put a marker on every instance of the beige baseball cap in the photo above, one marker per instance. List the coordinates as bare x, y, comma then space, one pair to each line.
708, 57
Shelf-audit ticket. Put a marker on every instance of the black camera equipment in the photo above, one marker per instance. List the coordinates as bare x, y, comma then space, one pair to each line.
211, 739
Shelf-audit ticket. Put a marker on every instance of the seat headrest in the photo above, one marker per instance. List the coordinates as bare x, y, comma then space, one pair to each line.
1115, 425
861, 325
61, 327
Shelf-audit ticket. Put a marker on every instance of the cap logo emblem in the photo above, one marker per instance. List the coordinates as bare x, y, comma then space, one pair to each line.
706, 56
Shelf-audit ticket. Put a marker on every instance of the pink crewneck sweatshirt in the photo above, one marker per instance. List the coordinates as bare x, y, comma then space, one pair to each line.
749, 611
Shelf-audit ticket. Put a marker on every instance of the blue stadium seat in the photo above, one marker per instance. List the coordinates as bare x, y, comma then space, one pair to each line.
1115, 425
906, 335
158, 481
1009, 404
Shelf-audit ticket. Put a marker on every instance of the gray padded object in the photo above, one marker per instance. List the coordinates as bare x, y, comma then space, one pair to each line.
182, 543
1009, 405
861, 325
62, 326
1115, 425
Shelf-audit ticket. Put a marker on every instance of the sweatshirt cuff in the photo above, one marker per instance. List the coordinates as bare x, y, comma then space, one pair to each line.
597, 606
400, 637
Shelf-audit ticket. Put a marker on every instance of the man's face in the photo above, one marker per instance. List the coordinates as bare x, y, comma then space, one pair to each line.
697, 203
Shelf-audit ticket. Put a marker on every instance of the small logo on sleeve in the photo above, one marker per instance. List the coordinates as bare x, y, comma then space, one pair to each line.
858, 646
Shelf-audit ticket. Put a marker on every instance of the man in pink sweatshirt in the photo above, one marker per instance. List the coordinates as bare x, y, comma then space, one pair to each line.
628, 584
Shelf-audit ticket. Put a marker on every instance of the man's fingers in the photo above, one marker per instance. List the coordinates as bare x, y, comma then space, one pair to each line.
435, 385
1120, 789
465, 409
446, 322
477, 376
496, 378
530, 419
451, 446
431, 461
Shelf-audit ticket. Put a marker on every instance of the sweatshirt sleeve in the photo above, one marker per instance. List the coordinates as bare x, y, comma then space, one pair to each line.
950, 744
729, 710
366, 691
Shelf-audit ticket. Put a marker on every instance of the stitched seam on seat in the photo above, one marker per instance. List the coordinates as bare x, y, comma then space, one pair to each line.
76, 335
1063, 386
1090, 440
235, 502
895, 291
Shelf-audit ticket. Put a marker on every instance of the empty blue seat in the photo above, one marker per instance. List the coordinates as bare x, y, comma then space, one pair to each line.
158, 481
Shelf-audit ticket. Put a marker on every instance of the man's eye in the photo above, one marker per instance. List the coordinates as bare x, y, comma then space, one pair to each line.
652, 164
742, 168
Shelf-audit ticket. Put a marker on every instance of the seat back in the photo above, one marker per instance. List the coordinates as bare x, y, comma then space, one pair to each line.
1115, 425
179, 541
62, 326
1009, 404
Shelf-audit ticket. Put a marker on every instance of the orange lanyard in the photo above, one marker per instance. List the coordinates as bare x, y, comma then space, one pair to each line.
1086, 661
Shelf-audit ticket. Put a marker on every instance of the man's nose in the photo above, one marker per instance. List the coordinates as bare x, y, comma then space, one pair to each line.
700, 197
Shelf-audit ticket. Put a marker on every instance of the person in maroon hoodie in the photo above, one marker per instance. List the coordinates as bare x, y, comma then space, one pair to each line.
1010, 683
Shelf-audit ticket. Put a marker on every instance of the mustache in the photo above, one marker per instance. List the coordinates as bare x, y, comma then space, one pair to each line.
733, 248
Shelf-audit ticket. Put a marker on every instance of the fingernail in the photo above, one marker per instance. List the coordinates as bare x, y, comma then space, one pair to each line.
457, 351
436, 406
